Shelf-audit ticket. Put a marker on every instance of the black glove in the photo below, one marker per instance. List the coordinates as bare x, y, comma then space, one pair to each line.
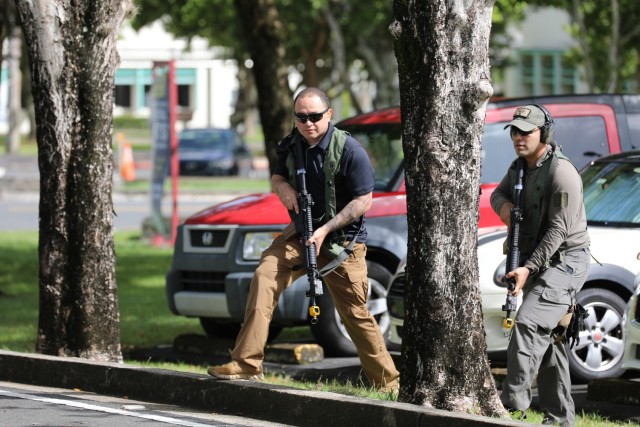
570, 325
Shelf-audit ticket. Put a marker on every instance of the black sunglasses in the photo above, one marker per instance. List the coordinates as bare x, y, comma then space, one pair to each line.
517, 131
312, 117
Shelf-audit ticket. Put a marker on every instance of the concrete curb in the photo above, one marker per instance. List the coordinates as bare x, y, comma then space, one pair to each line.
615, 390
250, 399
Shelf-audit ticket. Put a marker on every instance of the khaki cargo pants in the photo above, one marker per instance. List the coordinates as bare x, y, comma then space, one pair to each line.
348, 287
532, 349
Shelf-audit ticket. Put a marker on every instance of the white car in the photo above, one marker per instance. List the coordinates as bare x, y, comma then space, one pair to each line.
612, 200
631, 359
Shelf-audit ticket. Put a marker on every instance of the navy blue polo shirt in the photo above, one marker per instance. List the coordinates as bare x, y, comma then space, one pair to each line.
355, 177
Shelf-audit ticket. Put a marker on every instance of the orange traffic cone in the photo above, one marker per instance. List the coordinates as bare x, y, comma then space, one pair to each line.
127, 167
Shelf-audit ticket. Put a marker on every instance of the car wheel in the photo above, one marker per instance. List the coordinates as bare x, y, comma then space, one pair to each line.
215, 328
330, 332
599, 352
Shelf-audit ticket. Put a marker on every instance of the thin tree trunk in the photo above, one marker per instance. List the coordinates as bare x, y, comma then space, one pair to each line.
15, 91
442, 51
263, 33
72, 51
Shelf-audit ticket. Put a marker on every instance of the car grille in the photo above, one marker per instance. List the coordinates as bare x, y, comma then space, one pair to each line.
207, 238
397, 287
203, 281
395, 297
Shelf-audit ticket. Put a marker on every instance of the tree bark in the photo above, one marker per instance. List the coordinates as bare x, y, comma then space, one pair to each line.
442, 51
72, 52
263, 33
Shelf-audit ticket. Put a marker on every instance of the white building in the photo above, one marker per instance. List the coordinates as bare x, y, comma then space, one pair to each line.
207, 84
537, 51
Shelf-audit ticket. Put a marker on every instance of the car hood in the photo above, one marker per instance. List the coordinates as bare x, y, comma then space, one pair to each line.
266, 209
616, 245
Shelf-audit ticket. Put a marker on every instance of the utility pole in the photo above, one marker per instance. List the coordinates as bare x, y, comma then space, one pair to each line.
15, 85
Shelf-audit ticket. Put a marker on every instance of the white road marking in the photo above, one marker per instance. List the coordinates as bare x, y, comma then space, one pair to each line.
162, 419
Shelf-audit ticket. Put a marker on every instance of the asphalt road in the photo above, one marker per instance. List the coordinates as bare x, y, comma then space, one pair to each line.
19, 199
26, 405
19, 211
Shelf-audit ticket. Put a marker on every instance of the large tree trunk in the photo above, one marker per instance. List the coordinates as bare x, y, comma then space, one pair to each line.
442, 51
263, 33
72, 51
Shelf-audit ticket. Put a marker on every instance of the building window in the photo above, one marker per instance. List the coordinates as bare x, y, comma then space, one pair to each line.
184, 95
123, 96
546, 73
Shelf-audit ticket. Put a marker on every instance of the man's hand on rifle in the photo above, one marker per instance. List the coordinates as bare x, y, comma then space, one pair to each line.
520, 274
318, 237
505, 213
287, 194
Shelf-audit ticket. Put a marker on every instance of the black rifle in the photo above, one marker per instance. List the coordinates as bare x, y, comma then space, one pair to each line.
304, 224
513, 257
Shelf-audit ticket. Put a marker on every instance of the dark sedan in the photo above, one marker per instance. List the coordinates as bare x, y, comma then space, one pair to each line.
213, 151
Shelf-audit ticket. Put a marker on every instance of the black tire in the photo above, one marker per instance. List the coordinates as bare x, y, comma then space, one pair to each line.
599, 352
330, 332
215, 328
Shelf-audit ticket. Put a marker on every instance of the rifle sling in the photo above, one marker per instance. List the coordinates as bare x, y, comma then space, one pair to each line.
335, 262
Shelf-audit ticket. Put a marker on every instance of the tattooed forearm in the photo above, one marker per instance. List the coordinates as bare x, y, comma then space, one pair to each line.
352, 211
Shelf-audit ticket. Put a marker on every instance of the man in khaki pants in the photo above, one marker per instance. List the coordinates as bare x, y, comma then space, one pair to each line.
352, 187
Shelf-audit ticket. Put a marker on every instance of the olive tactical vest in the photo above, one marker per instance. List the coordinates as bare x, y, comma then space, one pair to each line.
529, 239
331, 247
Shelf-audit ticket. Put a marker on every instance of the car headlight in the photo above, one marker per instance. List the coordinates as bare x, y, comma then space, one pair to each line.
255, 243
498, 275
395, 306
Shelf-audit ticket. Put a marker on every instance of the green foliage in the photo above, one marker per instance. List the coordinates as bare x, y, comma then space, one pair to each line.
593, 28
130, 122
232, 185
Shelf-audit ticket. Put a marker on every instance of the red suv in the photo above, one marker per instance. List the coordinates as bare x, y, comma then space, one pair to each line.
218, 249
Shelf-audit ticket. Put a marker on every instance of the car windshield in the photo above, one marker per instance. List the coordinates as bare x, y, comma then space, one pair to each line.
383, 142
205, 140
612, 193
496, 154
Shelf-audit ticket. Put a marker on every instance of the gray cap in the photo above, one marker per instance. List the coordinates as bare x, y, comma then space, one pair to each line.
528, 118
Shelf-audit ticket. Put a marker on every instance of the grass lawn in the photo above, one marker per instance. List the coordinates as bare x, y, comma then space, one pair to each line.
145, 320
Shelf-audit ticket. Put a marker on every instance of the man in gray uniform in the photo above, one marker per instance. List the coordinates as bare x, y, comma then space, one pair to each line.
553, 265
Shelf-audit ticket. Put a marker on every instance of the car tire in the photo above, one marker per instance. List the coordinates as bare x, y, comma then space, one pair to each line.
330, 332
215, 328
599, 352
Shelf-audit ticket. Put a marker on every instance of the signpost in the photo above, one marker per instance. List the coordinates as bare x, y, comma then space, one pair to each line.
165, 148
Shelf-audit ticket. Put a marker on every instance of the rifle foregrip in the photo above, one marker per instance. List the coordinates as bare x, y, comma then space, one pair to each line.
311, 254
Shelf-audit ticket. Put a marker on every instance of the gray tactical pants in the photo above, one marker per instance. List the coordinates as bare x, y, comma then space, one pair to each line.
531, 346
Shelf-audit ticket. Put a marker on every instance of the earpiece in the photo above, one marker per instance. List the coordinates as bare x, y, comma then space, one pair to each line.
546, 131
